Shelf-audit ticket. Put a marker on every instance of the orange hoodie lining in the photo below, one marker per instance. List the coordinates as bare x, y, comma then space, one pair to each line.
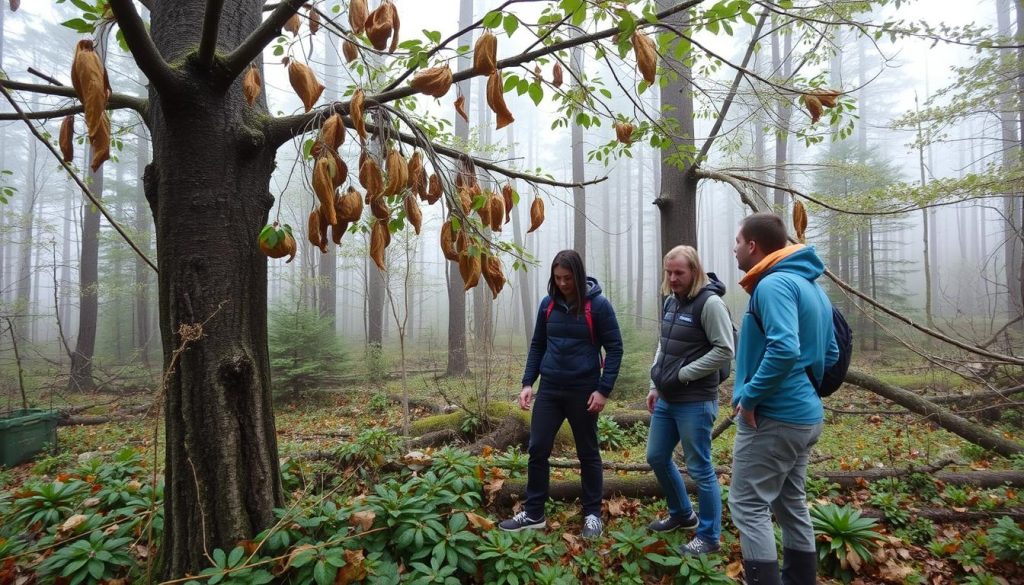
749, 281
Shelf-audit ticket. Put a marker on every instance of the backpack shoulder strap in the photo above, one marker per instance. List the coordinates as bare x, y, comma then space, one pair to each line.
551, 307
589, 314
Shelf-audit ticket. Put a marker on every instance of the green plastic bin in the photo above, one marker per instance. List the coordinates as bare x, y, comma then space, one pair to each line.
23, 433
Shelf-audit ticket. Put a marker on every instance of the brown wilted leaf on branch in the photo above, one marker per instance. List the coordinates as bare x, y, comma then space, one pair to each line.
369, 177
493, 274
412, 211
15, 4
646, 57
337, 231
813, 106
460, 107
469, 268
466, 199
383, 25
252, 84
828, 97
89, 79
448, 242
67, 138
496, 101
350, 206
332, 133
323, 186
379, 239
434, 190
337, 167
357, 13
313, 231
292, 25
623, 132
506, 195
536, 214
398, 173
800, 222
485, 54
305, 84
497, 205
349, 51
379, 208
314, 20
355, 110
556, 75
435, 81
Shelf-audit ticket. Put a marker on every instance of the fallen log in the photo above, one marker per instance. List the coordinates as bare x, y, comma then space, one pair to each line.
945, 515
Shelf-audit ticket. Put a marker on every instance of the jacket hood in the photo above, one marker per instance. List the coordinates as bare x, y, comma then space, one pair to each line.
593, 287
804, 263
714, 285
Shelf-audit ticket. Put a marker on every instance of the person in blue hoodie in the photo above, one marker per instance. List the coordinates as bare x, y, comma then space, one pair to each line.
786, 336
574, 322
695, 349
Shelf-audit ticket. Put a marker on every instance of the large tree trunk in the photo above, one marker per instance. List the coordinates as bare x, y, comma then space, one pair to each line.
208, 187
143, 330
81, 379
677, 199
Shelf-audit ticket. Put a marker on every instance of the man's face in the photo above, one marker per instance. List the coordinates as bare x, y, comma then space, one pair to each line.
743, 250
679, 274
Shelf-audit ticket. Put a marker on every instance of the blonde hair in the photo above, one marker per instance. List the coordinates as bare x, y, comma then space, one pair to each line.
689, 253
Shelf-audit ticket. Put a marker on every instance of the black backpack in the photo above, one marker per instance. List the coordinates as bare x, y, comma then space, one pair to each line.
836, 373
698, 310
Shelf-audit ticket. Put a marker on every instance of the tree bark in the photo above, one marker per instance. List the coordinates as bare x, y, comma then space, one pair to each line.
81, 379
327, 281
522, 278
579, 194
23, 294
143, 233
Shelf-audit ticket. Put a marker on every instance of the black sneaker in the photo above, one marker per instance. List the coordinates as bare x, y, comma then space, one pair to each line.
591, 527
672, 523
698, 546
521, 522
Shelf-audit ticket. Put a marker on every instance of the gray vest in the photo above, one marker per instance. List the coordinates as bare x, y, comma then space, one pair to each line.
683, 341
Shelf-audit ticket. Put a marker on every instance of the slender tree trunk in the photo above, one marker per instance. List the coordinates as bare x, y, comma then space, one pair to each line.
579, 193
782, 63
143, 233
23, 295
642, 190
1015, 204
327, 295
81, 379
522, 278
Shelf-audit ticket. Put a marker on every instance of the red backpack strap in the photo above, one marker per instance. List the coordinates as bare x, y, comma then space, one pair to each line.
590, 321
547, 311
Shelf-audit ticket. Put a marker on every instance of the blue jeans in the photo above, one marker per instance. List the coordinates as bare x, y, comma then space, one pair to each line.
551, 408
689, 423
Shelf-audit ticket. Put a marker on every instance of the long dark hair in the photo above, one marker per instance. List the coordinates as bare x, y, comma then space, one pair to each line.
571, 261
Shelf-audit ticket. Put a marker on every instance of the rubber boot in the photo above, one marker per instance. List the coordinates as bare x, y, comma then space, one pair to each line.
761, 572
799, 567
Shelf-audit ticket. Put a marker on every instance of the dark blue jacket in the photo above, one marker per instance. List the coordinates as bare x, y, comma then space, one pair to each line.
564, 355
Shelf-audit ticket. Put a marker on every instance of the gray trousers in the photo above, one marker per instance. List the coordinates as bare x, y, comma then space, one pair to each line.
769, 468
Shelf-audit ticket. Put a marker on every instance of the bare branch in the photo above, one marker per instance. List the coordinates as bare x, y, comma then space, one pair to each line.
118, 101
239, 59
208, 40
75, 177
143, 50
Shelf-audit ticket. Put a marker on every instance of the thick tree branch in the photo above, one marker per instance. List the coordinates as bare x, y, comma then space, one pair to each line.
239, 59
118, 101
81, 184
208, 40
141, 45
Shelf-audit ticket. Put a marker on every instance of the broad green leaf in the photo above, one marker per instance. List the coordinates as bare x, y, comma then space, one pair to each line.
493, 19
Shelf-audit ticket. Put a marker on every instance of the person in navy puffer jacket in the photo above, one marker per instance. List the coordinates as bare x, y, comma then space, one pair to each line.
574, 323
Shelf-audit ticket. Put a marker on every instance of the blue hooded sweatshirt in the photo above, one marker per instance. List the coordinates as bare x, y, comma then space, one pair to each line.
564, 354
796, 316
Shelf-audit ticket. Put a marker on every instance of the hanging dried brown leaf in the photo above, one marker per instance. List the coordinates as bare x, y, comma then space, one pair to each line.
466, 199
398, 173
413, 213
828, 97
357, 13
252, 84
537, 75
369, 177
314, 20
623, 132
325, 226
67, 138
434, 190
379, 239
496, 101
416, 176
332, 133
469, 268
396, 24
292, 25
497, 205
285, 246
349, 51
15, 4
305, 84
646, 57
556, 75
89, 79
485, 54
355, 109
448, 242
313, 228
379, 208
380, 24
337, 231
507, 199
800, 222
484, 210
435, 81
813, 106
350, 206
493, 274
460, 107
323, 186
337, 167
536, 214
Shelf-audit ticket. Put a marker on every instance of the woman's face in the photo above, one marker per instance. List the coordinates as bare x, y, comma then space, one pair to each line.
680, 276
565, 282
